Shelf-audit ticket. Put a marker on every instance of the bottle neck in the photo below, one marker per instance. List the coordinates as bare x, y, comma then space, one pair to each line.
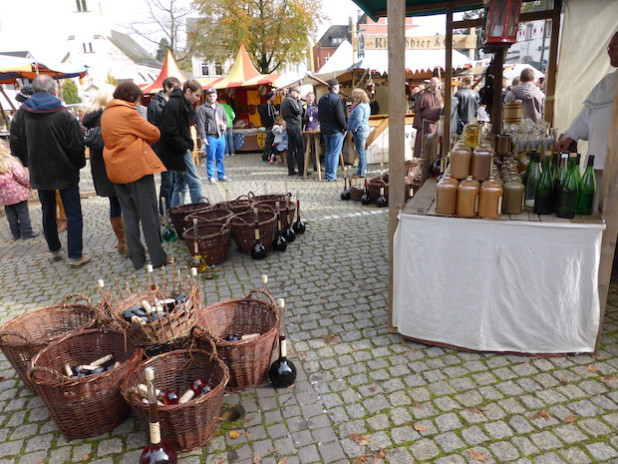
283, 350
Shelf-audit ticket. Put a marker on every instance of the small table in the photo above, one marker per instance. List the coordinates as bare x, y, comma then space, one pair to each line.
314, 136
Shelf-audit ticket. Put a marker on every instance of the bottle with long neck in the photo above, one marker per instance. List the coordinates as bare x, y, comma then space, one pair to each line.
258, 251
588, 188
169, 235
299, 226
157, 451
365, 198
279, 243
533, 180
197, 260
345, 194
560, 176
567, 196
544, 197
382, 201
288, 233
282, 372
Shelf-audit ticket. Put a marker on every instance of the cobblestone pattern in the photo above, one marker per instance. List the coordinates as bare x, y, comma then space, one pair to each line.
418, 403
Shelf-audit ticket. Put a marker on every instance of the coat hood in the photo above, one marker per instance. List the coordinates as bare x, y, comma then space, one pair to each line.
42, 102
116, 102
526, 91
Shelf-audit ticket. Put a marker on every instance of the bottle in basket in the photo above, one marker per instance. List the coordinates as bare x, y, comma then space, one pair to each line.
299, 226
365, 198
345, 194
279, 243
382, 201
197, 260
156, 452
258, 251
282, 372
288, 233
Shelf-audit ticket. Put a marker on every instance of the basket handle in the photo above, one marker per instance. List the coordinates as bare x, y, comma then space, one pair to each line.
205, 336
75, 298
251, 196
266, 293
22, 336
242, 197
46, 370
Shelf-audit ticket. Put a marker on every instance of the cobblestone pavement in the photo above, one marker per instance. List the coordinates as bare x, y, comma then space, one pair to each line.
361, 392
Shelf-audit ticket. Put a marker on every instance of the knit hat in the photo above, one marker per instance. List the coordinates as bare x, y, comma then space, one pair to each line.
269, 95
210, 90
24, 94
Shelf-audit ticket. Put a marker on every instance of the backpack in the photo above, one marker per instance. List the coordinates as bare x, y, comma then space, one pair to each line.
94, 139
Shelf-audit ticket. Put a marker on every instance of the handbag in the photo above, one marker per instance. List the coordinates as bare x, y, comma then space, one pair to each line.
94, 139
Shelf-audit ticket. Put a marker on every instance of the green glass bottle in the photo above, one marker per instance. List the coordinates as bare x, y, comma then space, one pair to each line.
560, 175
567, 195
533, 179
544, 196
554, 166
587, 190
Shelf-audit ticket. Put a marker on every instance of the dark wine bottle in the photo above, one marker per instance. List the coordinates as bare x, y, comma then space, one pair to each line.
345, 194
533, 180
157, 451
567, 195
560, 176
588, 188
172, 396
382, 201
544, 198
279, 243
169, 235
288, 233
282, 372
365, 198
258, 251
197, 260
299, 226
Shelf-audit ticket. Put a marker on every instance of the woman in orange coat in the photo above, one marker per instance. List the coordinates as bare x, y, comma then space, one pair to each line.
130, 164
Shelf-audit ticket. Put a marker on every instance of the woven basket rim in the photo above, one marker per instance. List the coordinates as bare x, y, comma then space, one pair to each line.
222, 229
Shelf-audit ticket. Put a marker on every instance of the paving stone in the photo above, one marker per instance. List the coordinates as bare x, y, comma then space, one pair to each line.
545, 440
601, 451
575, 456
449, 441
594, 427
504, 451
424, 449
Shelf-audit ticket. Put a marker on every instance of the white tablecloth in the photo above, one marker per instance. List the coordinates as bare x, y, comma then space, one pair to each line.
527, 287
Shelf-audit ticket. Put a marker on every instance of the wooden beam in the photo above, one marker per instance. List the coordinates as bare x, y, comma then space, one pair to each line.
609, 213
538, 15
550, 86
467, 23
448, 91
396, 133
436, 7
496, 109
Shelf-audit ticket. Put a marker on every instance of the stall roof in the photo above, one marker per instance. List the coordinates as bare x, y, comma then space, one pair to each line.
12, 68
244, 74
170, 68
377, 8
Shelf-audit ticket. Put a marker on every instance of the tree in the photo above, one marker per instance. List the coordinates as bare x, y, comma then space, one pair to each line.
164, 46
70, 94
274, 32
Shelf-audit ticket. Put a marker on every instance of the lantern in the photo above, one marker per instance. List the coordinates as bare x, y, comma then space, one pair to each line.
501, 22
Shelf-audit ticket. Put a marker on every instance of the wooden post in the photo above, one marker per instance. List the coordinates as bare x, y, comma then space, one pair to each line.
496, 110
448, 77
396, 134
550, 76
609, 200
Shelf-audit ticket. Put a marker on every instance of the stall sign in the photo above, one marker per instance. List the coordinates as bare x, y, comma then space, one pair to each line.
380, 42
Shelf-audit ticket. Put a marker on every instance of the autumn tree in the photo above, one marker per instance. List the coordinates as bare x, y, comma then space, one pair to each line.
274, 32
69, 92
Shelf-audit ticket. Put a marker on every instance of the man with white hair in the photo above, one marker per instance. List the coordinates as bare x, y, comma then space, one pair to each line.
427, 113
533, 100
48, 140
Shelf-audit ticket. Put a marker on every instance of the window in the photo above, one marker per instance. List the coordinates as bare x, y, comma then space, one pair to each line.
205, 70
218, 69
529, 31
71, 37
90, 50
81, 5
84, 47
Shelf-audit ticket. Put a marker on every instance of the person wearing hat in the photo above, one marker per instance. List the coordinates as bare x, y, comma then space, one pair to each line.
268, 113
24, 94
333, 124
211, 127
292, 113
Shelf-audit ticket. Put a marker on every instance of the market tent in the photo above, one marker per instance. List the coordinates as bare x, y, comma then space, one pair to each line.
342, 59
511, 71
243, 73
13, 68
170, 68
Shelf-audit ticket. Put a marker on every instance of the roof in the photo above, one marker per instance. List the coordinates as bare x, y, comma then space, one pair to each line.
13, 67
244, 74
22, 54
334, 32
170, 68
133, 50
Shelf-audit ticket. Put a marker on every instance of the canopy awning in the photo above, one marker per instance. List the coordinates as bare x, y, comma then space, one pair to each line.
244, 74
170, 69
12, 68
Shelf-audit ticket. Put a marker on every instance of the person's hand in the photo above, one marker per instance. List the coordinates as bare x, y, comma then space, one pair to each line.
563, 145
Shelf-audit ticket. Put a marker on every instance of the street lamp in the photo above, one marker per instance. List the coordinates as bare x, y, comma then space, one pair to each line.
501, 23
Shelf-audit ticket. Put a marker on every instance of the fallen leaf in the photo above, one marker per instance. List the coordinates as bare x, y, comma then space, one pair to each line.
476, 455
234, 434
86, 457
564, 380
257, 459
41, 461
362, 459
420, 428
417, 405
291, 387
331, 339
381, 454
570, 419
283, 461
475, 410
248, 435
1, 378
359, 438
592, 368
219, 461
542, 414
372, 389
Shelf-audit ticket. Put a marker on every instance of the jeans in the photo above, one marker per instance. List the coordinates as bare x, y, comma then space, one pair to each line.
229, 141
333, 142
188, 177
19, 219
165, 191
215, 152
75, 223
359, 138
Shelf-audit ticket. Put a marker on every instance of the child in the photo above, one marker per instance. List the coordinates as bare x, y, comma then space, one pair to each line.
280, 143
14, 194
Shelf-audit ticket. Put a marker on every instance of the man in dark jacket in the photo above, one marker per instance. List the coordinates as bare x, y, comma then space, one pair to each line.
467, 103
211, 127
333, 124
292, 114
48, 140
176, 144
268, 113
154, 116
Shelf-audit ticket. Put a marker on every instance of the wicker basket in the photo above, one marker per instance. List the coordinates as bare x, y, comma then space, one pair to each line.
213, 241
243, 229
273, 197
177, 324
87, 406
218, 214
190, 425
178, 213
23, 337
240, 205
247, 360
356, 193
287, 213
374, 185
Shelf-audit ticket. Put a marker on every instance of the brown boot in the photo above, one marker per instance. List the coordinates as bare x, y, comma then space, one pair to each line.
118, 226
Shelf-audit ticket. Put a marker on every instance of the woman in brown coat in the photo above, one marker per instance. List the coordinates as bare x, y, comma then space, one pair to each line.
130, 165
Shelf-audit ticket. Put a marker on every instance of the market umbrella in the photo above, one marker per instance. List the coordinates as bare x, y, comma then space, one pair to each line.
13, 68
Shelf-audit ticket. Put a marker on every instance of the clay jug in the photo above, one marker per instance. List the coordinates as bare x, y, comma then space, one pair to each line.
467, 197
446, 195
490, 199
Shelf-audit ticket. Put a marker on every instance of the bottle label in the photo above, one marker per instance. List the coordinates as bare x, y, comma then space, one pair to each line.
476, 204
284, 350
155, 433
499, 205
187, 396
257, 234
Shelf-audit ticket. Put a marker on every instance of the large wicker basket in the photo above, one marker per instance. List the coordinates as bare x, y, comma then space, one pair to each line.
240, 205
213, 241
272, 197
243, 229
374, 185
23, 337
177, 324
218, 214
190, 425
247, 360
91, 405
287, 212
179, 213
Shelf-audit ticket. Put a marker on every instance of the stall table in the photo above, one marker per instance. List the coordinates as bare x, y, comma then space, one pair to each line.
522, 283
